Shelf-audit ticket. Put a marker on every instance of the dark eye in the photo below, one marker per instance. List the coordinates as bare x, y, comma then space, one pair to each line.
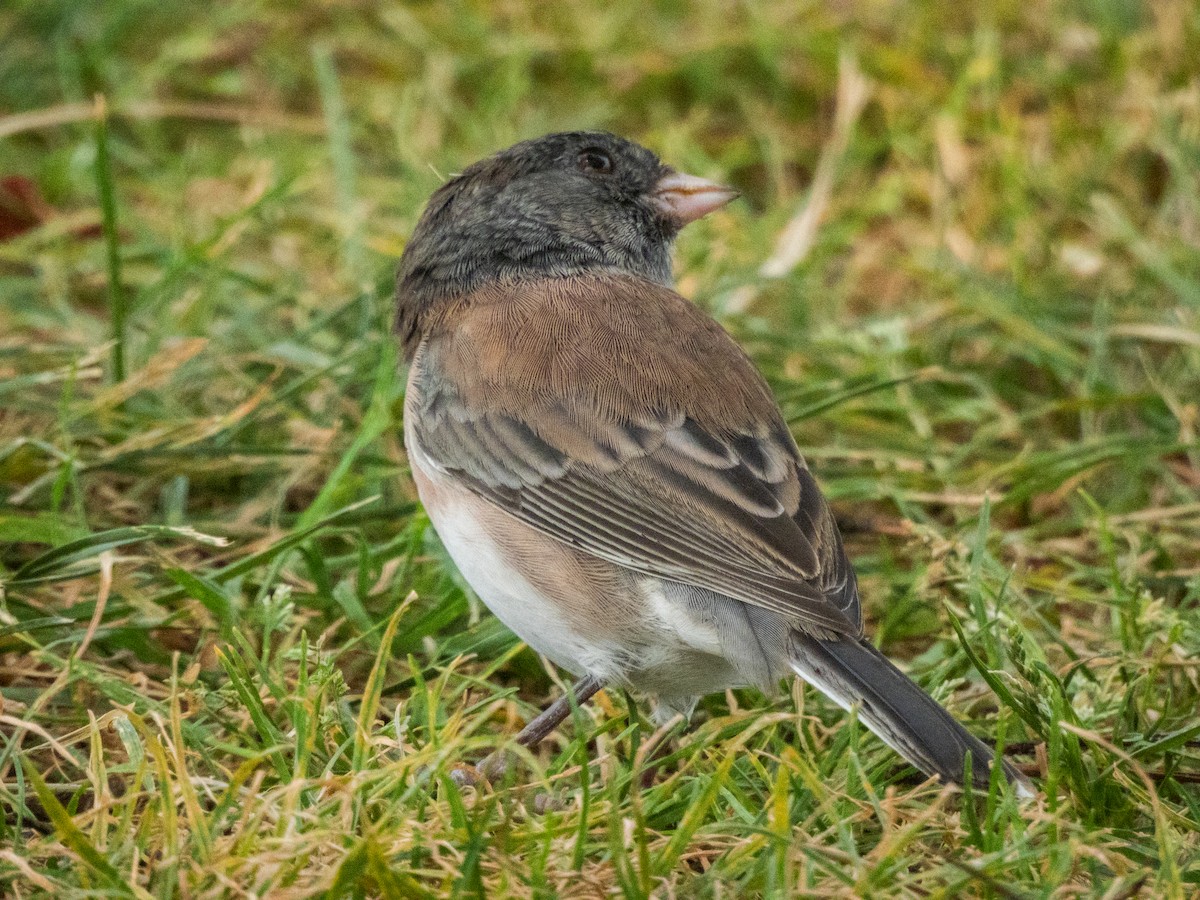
595, 160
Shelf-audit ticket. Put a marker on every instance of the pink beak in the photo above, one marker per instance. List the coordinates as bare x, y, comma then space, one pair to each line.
686, 198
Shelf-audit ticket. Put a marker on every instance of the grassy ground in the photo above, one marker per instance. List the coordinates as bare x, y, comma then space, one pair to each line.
234, 659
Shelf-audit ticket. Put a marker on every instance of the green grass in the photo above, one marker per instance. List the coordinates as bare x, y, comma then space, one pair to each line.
234, 658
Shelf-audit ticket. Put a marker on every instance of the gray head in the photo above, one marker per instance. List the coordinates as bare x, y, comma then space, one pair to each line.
563, 204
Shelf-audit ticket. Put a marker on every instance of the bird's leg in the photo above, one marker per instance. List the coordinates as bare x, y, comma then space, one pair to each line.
556, 713
494, 764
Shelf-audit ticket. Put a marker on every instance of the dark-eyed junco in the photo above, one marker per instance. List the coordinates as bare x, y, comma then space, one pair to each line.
605, 465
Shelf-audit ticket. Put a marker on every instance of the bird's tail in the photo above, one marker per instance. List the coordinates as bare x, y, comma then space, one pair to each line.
854, 673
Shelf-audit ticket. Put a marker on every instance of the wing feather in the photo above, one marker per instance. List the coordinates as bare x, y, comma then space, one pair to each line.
630, 453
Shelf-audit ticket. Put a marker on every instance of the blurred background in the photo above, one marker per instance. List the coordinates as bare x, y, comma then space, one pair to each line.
967, 257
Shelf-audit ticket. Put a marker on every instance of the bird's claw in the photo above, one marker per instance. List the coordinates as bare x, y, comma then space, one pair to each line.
490, 769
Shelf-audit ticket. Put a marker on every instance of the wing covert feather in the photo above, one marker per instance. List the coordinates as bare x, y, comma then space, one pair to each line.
663, 452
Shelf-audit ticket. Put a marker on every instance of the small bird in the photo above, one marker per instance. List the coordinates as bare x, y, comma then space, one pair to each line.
607, 468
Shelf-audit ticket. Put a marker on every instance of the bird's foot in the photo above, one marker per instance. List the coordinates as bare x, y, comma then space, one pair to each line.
489, 770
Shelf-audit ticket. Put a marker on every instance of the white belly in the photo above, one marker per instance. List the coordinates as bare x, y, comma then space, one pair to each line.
508, 593
531, 583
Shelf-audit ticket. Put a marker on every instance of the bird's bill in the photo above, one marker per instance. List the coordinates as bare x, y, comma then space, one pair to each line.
686, 198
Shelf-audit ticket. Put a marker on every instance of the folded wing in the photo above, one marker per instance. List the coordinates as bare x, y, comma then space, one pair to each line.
613, 415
